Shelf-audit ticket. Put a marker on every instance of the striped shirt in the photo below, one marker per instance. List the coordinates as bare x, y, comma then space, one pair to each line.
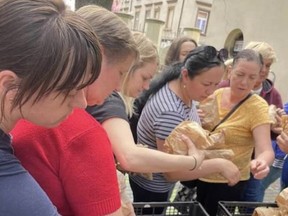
161, 114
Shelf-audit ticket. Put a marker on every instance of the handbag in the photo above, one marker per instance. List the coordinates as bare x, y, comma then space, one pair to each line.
190, 193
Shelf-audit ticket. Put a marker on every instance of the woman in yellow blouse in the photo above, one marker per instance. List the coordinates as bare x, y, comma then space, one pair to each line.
247, 128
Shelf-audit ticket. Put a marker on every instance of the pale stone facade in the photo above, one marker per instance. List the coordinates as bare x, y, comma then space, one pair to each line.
230, 24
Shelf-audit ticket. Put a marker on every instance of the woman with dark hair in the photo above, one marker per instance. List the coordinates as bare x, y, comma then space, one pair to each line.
172, 100
47, 56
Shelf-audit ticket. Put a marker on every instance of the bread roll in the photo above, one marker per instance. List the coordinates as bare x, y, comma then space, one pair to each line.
282, 199
210, 108
264, 211
284, 123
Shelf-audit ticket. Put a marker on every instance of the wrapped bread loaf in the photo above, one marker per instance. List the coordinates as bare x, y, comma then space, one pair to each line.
210, 109
200, 137
282, 200
282, 203
272, 111
284, 123
266, 211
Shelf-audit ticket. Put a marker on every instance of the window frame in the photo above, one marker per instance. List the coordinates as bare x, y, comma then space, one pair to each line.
206, 19
169, 22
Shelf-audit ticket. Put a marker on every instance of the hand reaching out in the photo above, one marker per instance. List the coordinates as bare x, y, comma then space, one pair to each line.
282, 141
259, 168
277, 127
193, 151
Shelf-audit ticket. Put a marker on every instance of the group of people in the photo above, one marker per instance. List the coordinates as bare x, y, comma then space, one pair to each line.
68, 85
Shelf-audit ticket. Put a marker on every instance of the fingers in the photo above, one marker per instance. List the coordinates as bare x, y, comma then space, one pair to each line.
188, 142
260, 174
280, 111
231, 173
282, 141
259, 169
193, 151
235, 179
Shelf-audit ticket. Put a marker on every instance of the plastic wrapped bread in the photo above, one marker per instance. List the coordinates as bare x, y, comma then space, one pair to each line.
210, 109
200, 137
282, 200
266, 211
272, 111
284, 123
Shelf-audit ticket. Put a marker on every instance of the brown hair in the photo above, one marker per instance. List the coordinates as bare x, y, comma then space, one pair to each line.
173, 52
114, 35
48, 48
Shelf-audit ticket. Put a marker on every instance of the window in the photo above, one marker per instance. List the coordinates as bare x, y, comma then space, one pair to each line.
170, 16
202, 20
157, 13
148, 13
238, 45
136, 20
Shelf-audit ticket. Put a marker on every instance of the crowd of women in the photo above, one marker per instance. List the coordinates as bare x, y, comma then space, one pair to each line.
68, 85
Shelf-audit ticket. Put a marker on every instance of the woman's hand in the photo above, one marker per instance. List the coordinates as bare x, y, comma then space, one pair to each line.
230, 171
193, 151
282, 141
259, 168
277, 127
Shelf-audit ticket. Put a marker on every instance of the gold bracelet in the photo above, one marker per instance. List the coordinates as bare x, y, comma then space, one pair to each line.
195, 162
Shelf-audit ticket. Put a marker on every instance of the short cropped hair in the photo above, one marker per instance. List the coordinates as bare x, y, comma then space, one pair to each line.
49, 48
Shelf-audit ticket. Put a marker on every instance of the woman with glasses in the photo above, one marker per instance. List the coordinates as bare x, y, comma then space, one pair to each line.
248, 127
172, 100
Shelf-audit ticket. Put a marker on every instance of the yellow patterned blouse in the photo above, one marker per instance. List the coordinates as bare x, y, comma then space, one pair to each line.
238, 132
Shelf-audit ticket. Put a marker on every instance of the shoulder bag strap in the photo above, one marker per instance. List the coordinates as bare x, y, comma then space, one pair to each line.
232, 111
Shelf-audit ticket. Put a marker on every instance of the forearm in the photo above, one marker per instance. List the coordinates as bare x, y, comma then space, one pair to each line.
138, 159
208, 167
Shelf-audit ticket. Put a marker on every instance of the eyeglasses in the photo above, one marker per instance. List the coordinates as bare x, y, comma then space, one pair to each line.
209, 53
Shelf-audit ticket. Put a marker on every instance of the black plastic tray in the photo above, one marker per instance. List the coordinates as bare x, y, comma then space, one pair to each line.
171, 208
226, 208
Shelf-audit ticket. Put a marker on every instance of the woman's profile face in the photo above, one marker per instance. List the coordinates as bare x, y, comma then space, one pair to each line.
110, 79
264, 70
140, 79
54, 108
185, 48
204, 84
